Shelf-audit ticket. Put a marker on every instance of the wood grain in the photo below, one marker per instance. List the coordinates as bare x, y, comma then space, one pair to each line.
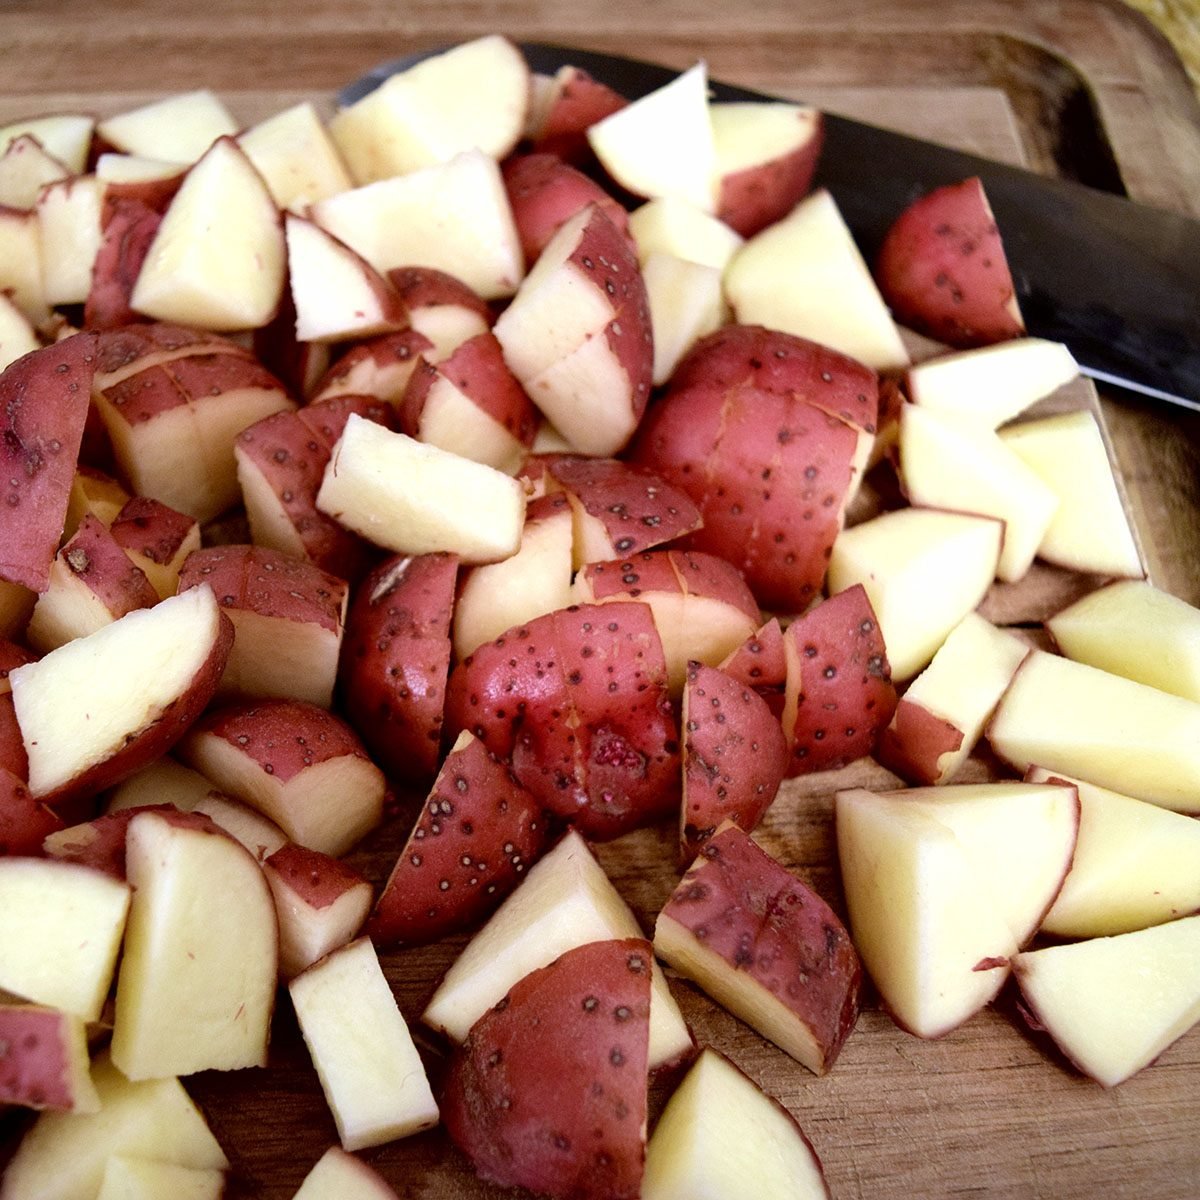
987, 1111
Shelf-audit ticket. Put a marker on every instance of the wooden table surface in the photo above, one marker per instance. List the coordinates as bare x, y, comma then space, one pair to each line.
1083, 87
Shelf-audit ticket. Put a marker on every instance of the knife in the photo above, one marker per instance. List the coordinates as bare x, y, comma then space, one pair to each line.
1117, 282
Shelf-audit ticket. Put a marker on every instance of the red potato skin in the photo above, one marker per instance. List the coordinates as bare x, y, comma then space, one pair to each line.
637, 509
24, 822
96, 559
129, 225
478, 370
291, 451
34, 1070
758, 196
43, 408
548, 1092
155, 194
734, 756
396, 658
126, 350
544, 191
317, 879
157, 737
151, 529
380, 367
427, 287
267, 583
580, 101
760, 661
760, 429
578, 699
100, 843
943, 271
686, 572
846, 695
913, 744
477, 833
282, 737
758, 917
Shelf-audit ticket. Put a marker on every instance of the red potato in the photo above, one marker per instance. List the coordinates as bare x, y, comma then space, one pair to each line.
380, 368
43, 407
154, 189
477, 833
44, 1064
151, 674
620, 509
92, 583
766, 156
129, 225
844, 695
295, 763
471, 404
544, 192
915, 741
765, 946
576, 101
100, 842
24, 823
578, 700
942, 269
760, 662
396, 659
536, 580
321, 904
93, 491
281, 462
441, 308
126, 350
548, 1091
734, 757
702, 607
157, 540
288, 618
764, 430
577, 335
173, 426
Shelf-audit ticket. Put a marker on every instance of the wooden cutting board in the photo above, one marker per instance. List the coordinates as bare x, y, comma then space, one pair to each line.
1079, 87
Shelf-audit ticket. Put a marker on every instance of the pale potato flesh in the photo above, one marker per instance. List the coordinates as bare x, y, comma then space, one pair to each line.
294, 154
686, 302
127, 1178
179, 128
340, 1176
670, 225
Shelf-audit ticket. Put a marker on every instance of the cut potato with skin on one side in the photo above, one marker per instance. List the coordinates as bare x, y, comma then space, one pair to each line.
179, 128
673, 226
45, 1060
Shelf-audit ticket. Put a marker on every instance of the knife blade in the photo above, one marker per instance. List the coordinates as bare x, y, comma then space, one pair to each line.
1117, 282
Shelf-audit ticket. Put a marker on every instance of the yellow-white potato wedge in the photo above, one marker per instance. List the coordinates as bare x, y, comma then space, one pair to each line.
662, 143
25, 168
296, 157
196, 987
805, 275
67, 136
1134, 629
1090, 530
946, 463
340, 1176
565, 900
686, 302
475, 95
21, 263
452, 216
63, 1156
940, 717
1066, 716
992, 384
179, 128
1135, 865
211, 274
928, 929
923, 569
369, 1068
136, 168
17, 336
721, 1136
69, 225
337, 294
60, 930
1114, 1004
670, 225
416, 499
128, 1178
